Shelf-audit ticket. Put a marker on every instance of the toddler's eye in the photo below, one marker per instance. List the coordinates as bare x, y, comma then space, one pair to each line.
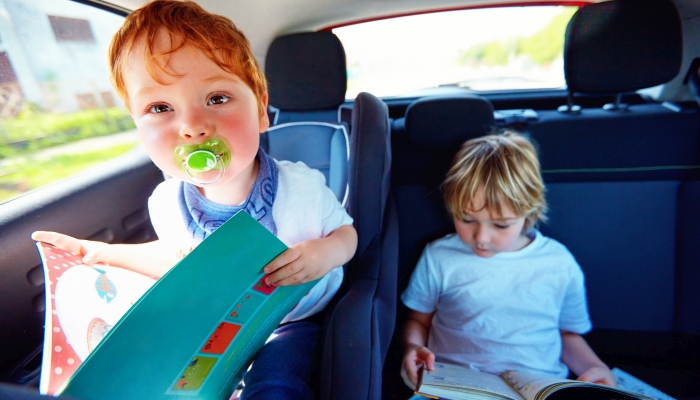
467, 220
499, 226
217, 99
159, 108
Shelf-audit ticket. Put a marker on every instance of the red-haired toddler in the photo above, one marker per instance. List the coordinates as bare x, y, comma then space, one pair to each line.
199, 100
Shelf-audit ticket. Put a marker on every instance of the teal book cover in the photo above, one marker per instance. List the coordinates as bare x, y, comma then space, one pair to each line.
195, 331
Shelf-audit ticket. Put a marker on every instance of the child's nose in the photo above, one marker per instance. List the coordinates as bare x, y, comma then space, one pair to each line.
481, 235
193, 127
188, 134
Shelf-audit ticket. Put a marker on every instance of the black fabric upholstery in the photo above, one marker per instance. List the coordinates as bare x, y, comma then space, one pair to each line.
306, 71
688, 240
626, 254
647, 142
613, 183
643, 155
362, 323
439, 122
609, 46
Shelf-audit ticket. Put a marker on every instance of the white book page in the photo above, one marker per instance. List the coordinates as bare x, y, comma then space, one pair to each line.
528, 384
448, 375
628, 382
82, 304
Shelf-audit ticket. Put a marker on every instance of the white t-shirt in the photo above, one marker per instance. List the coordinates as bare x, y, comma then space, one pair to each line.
500, 313
304, 208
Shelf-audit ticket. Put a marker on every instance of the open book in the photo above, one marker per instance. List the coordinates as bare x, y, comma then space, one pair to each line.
449, 381
115, 334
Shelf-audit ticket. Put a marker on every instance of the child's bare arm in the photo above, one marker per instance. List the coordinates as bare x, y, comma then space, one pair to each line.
583, 361
312, 259
150, 259
415, 337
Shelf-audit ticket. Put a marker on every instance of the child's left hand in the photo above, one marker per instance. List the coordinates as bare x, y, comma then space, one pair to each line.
600, 374
312, 259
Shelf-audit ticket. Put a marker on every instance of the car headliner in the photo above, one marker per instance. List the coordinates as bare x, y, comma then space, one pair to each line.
264, 20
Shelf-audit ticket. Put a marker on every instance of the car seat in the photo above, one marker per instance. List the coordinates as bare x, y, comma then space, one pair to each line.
307, 83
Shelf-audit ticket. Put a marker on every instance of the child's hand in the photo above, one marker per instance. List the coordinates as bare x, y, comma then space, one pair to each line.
312, 259
414, 357
298, 264
91, 251
600, 374
151, 259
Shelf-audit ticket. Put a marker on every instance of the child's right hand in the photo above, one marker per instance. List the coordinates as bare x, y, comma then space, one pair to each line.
414, 357
91, 251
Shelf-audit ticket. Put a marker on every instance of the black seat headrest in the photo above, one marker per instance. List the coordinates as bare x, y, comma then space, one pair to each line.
623, 45
306, 71
446, 122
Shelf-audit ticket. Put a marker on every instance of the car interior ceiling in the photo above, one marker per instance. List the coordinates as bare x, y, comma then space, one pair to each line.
623, 186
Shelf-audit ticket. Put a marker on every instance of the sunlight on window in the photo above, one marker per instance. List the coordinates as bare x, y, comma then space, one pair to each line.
58, 112
478, 49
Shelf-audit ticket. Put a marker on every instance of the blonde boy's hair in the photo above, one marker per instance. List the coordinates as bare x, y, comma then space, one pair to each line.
188, 24
506, 167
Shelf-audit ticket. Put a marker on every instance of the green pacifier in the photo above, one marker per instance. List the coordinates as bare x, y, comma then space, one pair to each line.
201, 161
196, 159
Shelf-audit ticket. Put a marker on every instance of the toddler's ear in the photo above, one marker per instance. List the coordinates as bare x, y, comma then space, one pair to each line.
264, 123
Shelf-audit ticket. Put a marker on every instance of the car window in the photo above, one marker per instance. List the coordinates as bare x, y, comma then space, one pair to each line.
58, 112
502, 48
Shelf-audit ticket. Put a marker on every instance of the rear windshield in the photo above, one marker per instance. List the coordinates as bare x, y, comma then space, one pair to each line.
485, 49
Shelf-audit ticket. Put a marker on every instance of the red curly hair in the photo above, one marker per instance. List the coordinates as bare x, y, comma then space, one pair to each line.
188, 24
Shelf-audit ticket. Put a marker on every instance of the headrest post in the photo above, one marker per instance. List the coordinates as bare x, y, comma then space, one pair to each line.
570, 107
617, 106
692, 78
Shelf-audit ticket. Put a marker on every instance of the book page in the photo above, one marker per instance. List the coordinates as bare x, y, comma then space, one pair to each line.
528, 384
82, 304
465, 379
538, 387
630, 383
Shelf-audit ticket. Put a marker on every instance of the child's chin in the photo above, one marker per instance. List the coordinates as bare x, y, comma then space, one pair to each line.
207, 179
484, 253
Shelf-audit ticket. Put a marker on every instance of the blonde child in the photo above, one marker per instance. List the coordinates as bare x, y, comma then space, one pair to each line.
191, 82
497, 295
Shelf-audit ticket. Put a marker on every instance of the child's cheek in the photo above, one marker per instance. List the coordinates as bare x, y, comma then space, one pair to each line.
160, 150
